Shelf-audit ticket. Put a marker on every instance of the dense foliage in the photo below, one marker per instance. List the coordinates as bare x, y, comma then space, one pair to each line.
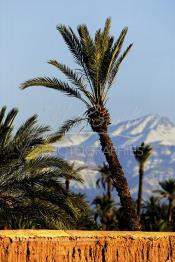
32, 180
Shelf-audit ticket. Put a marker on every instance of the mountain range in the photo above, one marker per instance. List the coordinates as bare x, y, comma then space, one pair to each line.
83, 148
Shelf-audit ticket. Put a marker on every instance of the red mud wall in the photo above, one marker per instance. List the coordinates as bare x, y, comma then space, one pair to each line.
73, 246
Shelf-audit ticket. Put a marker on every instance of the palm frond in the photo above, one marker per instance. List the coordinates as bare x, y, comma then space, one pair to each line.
6, 126
117, 65
10, 117
103, 56
69, 73
29, 138
118, 44
72, 42
29, 123
105, 37
29, 130
74, 78
50, 162
75, 47
168, 186
53, 83
2, 114
87, 49
38, 150
65, 128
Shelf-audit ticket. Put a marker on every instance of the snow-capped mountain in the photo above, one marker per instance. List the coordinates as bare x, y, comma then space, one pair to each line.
84, 149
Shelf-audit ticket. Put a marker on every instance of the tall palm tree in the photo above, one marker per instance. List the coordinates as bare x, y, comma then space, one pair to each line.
168, 191
32, 182
141, 153
98, 60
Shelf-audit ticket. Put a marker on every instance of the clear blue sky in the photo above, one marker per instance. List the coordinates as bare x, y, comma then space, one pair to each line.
28, 39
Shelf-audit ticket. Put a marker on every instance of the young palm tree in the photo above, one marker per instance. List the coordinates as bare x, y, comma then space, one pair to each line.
75, 170
141, 153
98, 60
105, 212
105, 207
153, 217
32, 182
168, 192
105, 180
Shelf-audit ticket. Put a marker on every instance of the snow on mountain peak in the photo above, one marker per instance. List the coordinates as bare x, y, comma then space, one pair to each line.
150, 128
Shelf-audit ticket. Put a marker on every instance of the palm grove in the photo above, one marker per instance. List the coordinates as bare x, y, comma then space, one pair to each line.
35, 178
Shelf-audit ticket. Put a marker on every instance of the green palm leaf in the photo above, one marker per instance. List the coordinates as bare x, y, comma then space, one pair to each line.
54, 84
116, 66
69, 124
72, 42
74, 78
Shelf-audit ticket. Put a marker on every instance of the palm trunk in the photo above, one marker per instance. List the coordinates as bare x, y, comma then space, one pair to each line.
67, 185
120, 183
170, 211
109, 189
139, 199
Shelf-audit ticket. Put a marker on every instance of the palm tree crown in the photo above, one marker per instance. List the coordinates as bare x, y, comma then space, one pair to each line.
98, 61
142, 152
168, 191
